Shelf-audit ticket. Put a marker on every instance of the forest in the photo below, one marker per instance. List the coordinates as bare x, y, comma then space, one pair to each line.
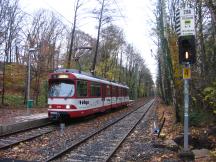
48, 43
203, 80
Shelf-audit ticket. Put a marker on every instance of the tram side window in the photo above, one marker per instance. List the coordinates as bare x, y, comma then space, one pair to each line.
120, 92
95, 89
108, 91
113, 91
125, 92
116, 90
81, 88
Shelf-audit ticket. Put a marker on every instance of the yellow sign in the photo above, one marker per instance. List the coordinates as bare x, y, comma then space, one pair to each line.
186, 73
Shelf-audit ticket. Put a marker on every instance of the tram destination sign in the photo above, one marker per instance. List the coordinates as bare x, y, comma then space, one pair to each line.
187, 21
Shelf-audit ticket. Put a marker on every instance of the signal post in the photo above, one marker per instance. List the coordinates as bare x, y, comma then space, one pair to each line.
187, 56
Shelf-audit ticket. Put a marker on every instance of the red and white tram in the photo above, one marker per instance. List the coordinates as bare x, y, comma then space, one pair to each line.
73, 94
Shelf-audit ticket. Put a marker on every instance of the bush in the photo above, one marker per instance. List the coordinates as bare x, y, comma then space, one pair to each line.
210, 96
200, 118
14, 100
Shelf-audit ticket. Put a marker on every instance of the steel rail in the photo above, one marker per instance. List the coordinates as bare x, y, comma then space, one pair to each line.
27, 129
126, 135
84, 139
6, 143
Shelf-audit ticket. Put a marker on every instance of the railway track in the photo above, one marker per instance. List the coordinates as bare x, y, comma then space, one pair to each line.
101, 144
26, 129
12, 139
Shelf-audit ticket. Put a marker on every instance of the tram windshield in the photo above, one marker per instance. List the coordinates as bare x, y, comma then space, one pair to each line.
61, 88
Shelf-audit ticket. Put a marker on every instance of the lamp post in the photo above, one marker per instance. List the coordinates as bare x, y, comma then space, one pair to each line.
29, 101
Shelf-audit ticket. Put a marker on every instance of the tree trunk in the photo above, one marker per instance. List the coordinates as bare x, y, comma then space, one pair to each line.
212, 9
201, 42
72, 36
98, 39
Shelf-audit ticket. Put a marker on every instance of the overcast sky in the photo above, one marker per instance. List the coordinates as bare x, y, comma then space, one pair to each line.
137, 21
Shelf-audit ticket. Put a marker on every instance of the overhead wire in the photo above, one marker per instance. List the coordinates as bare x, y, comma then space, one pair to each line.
53, 9
57, 12
78, 26
120, 12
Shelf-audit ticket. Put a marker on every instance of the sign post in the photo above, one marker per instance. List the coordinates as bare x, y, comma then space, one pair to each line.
187, 57
186, 77
187, 52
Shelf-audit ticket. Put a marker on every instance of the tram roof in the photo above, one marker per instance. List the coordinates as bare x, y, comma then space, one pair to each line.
88, 76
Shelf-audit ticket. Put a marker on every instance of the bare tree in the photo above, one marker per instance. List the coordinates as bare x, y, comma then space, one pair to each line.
104, 15
98, 36
201, 38
112, 41
211, 4
84, 40
15, 18
11, 18
3, 19
78, 4
46, 34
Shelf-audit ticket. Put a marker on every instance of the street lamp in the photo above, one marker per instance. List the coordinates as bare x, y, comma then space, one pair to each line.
29, 101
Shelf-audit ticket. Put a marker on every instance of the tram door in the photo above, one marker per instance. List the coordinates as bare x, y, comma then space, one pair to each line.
103, 93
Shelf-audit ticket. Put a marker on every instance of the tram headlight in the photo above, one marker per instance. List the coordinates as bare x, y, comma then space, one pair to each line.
67, 106
50, 106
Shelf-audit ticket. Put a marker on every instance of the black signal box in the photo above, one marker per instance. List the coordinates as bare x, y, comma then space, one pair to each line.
187, 49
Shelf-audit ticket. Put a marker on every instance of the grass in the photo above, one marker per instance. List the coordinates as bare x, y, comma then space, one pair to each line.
15, 100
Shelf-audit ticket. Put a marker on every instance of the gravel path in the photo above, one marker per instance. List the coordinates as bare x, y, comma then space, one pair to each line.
139, 146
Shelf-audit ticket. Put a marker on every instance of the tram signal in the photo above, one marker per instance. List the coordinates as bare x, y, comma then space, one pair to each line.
185, 28
187, 50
